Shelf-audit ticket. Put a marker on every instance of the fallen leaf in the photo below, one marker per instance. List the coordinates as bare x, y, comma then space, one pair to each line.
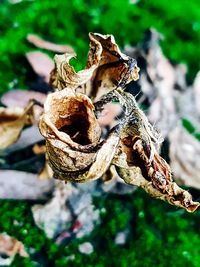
41, 63
69, 214
39, 42
185, 157
54, 216
11, 246
20, 98
12, 122
139, 163
28, 137
24, 185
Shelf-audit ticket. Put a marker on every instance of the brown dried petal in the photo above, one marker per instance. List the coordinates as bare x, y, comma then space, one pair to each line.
71, 131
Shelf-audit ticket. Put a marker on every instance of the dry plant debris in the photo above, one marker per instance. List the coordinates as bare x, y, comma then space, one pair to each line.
9, 247
80, 146
164, 87
41, 63
39, 42
76, 149
12, 121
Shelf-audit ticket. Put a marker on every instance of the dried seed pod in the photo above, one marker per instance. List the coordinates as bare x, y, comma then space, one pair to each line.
71, 131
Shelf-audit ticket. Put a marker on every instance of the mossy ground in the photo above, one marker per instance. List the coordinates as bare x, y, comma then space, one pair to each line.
160, 235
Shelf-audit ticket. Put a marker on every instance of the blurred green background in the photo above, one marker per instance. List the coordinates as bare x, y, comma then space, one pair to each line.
160, 235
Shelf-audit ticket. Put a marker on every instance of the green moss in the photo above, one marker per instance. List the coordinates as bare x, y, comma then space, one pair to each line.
159, 235
70, 21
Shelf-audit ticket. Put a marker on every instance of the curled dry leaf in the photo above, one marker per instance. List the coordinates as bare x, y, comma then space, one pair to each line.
11, 246
138, 162
39, 42
12, 121
107, 67
71, 131
171, 98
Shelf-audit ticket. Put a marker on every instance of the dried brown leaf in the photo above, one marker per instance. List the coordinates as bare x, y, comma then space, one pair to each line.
11, 246
74, 151
71, 131
12, 122
106, 68
139, 163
